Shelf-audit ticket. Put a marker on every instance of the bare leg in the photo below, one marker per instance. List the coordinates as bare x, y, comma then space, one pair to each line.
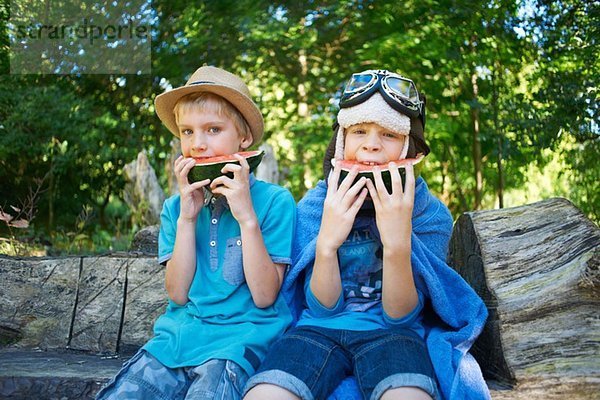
405, 393
267, 391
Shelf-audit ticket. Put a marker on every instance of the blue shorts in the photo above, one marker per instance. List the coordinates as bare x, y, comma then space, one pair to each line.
311, 362
143, 377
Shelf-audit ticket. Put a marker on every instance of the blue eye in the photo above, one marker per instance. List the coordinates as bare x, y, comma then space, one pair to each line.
187, 132
214, 129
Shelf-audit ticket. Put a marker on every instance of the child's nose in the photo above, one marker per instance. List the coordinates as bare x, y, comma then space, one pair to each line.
372, 143
199, 142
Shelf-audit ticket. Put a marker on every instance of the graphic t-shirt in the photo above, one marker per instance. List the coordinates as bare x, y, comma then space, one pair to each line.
359, 306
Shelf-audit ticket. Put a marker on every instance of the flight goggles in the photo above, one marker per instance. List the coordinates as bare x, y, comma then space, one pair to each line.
399, 92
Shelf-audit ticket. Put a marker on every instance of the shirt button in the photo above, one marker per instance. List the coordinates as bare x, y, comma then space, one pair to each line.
214, 221
213, 200
239, 242
213, 243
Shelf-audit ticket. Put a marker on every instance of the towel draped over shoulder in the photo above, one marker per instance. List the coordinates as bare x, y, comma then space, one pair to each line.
458, 313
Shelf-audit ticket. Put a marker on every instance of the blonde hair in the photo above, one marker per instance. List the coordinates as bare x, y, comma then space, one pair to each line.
203, 101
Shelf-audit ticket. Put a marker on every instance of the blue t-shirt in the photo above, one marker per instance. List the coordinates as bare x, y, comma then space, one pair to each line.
359, 306
220, 320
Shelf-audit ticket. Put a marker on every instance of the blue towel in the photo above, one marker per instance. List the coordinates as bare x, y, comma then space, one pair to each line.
461, 314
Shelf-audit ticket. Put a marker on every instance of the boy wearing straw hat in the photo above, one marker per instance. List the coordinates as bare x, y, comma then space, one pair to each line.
225, 244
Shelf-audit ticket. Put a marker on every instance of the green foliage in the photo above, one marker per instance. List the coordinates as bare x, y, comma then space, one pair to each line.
524, 72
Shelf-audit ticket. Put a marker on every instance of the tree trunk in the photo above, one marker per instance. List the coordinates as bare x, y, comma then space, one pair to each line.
499, 138
537, 269
459, 191
303, 113
476, 145
51, 194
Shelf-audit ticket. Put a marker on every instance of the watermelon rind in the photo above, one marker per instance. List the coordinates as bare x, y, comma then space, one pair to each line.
386, 176
208, 170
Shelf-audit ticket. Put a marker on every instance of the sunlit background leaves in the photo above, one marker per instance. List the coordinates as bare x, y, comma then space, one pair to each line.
511, 86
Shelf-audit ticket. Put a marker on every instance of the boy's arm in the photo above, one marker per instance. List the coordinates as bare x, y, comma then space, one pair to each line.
326, 281
182, 265
399, 294
339, 211
263, 276
394, 221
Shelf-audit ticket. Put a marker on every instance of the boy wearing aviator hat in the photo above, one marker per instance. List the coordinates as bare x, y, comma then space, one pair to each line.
225, 244
380, 305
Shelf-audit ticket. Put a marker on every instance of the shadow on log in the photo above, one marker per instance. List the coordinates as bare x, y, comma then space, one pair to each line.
536, 267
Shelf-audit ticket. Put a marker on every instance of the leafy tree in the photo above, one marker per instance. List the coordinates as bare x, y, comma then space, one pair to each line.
507, 84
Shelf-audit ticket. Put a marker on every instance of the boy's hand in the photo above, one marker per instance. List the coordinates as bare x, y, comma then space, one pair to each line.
192, 195
236, 190
340, 208
393, 212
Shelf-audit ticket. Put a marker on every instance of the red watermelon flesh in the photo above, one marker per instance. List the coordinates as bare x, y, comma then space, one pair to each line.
366, 170
210, 167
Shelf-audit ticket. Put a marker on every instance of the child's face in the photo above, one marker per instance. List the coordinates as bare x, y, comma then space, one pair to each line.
371, 143
207, 134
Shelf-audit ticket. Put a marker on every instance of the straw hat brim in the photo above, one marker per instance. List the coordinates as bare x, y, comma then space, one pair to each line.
165, 103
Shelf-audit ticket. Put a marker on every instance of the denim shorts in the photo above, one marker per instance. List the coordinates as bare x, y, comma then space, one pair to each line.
312, 361
143, 377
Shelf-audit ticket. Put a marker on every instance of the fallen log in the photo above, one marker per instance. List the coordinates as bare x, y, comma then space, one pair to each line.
537, 269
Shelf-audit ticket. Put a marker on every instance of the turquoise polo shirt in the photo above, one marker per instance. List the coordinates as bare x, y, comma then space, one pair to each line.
220, 320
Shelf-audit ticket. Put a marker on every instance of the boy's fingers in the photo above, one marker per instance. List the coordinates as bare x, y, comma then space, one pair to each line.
178, 164
231, 168
333, 179
378, 180
354, 190
183, 169
243, 162
199, 184
223, 180
178, 161
409, 185
187, 165
396, 178
349, 179
374, 194
359, 201
222, 190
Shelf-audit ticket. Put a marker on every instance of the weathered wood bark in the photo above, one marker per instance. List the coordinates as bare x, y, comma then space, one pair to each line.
268, 170
146, 299
142, 192
99, 306
145, 241
536, 267
37, 300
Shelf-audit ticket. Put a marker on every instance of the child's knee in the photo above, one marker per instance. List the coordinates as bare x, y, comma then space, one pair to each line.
269, 391
405, 393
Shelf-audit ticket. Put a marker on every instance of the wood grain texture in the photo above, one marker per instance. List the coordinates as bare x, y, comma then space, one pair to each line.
99, 310
536, 267
146, 299
37, 299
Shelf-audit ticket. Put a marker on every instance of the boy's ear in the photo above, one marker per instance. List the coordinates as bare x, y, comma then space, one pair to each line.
246, 142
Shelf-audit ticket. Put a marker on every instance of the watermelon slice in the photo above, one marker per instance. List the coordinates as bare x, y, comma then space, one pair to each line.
367, 170
210, 167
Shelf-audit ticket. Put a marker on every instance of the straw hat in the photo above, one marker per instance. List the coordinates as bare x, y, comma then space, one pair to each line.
217, 81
